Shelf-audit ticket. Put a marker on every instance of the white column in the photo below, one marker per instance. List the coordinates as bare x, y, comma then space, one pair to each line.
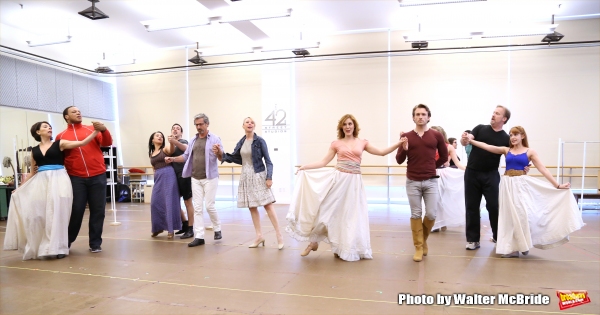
277, 129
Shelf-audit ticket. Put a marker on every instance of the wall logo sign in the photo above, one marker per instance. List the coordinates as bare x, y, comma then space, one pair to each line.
276, 121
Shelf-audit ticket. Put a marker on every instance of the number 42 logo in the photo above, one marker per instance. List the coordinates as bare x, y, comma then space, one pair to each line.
274, 115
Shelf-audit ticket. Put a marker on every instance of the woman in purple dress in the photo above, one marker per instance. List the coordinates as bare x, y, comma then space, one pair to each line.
164, 207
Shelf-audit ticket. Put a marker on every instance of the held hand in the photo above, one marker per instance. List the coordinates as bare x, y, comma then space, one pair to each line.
216, 149
172, 139
168, 160
466, 137
99, 126
404, 143
269, 183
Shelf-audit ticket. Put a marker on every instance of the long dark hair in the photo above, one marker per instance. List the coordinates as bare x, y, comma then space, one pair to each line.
151, 145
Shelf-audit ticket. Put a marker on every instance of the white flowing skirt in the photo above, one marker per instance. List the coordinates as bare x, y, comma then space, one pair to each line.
38, 217
533, 213
451, 207
331, 206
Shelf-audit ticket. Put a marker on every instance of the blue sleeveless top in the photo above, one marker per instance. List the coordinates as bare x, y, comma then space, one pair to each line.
516, 162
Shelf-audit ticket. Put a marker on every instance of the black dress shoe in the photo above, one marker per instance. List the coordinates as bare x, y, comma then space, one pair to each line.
60, 256
189, 233
196, 242
218, 235
184, 228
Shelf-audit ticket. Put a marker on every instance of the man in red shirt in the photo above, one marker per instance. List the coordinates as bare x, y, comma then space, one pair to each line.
87, 170
420, 146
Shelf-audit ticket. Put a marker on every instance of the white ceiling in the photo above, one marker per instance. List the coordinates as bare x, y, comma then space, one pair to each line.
123, 35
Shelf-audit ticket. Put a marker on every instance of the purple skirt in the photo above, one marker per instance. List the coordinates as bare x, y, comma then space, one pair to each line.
164, 206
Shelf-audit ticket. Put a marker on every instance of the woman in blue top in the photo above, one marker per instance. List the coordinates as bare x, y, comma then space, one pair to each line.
532, 212
40, 208
256, 180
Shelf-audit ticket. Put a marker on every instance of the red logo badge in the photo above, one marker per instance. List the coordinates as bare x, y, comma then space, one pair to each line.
568, 298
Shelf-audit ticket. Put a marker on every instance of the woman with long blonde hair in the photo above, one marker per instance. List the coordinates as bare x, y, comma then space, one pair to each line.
256, 180
532, 212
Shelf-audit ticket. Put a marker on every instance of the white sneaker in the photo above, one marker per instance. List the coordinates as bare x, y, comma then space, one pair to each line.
473, 245
511, 255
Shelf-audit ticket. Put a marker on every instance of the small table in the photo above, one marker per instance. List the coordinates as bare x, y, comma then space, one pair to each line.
5, 193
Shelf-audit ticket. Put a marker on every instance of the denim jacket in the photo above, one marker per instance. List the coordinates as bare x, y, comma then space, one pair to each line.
259, 151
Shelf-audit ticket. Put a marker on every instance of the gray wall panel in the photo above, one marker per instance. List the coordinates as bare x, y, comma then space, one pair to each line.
8, 82
27, 84
108, 98
46, 89
37, 87
81, 97
64, 90
96, 106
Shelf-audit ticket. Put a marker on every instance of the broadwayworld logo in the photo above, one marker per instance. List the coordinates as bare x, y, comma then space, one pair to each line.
568, 299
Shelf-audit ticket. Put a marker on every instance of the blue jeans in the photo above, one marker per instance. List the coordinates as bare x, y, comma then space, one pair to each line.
426, 190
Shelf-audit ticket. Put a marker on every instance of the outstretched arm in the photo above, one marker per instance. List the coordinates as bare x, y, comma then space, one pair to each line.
533, 156
66, 144
489, 148
381, 152
452, 153
330, 155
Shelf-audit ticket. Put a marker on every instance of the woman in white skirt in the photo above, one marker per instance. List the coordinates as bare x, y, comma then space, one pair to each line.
256, 180
451, 209
40, 208
532, 212
330, 204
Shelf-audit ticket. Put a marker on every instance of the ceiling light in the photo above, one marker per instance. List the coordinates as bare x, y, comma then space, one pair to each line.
92, 12
409, 3
419, 45
256, 15
104, 70
34, 43
519, 31
289, 45
224, 51
168, 24
554, 37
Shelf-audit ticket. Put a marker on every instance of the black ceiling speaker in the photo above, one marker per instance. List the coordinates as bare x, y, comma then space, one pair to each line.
92, 12
104, 70
552, 38
419, 45
301, 52
197, 59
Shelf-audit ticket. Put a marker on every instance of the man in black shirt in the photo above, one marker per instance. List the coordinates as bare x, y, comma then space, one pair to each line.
178, 146
481, 175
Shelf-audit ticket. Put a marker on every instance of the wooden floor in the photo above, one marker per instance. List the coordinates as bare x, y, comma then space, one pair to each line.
137, 274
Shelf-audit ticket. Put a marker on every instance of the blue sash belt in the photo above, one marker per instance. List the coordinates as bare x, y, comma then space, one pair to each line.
50, 167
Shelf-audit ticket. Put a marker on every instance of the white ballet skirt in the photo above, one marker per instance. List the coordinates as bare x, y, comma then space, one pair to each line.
38, 217
331, 206
451, 207
533, 213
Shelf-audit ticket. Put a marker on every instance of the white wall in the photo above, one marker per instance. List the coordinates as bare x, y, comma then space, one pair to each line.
553, 93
